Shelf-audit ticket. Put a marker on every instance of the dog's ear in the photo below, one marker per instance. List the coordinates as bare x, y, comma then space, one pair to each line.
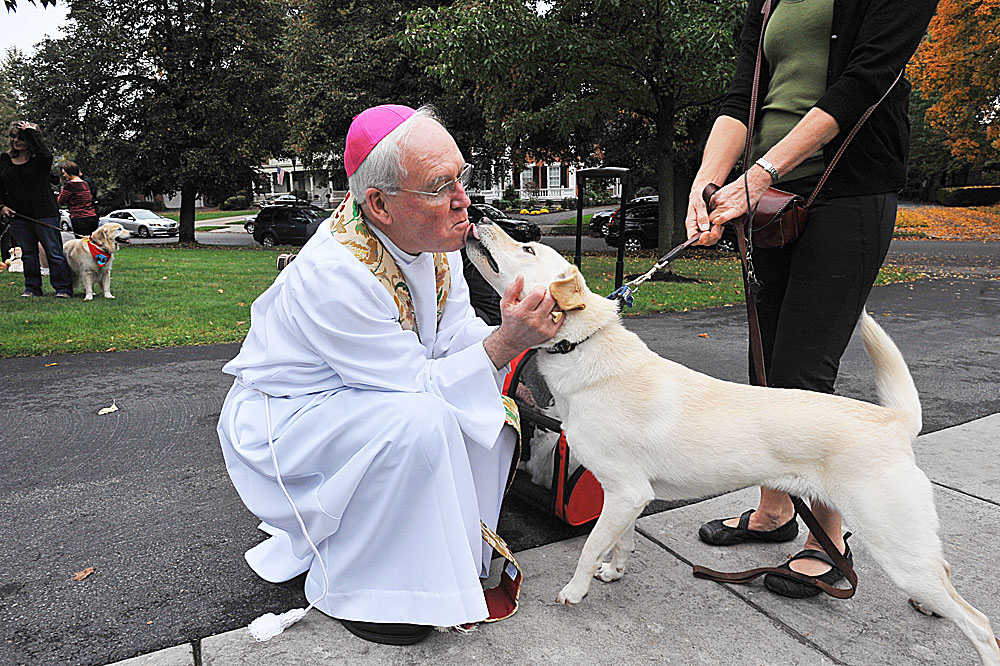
568, 289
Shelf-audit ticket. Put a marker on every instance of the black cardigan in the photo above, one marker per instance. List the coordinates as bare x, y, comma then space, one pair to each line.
870, 42
27, 188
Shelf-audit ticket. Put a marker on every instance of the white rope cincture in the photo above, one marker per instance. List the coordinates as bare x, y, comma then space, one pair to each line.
269, 625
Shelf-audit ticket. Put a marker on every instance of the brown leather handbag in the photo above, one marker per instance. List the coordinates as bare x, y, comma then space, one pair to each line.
780, 217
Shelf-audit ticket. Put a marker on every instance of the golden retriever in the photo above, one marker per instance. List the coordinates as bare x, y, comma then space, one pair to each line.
664, 443
90, 258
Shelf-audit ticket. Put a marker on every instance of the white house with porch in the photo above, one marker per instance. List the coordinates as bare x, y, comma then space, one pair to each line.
326, 188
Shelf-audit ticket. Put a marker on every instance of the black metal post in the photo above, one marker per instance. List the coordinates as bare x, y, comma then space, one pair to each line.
604, 172
626, 197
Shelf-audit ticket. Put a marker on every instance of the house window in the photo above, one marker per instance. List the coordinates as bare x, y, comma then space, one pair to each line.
553, 177
525, 178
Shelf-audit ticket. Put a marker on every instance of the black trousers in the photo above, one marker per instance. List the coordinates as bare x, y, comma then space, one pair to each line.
814, 289
84, 226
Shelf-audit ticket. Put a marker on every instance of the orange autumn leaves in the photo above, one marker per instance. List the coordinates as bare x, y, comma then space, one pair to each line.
975, 223
957, 66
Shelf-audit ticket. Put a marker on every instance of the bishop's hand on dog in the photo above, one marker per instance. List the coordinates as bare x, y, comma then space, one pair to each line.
525, 322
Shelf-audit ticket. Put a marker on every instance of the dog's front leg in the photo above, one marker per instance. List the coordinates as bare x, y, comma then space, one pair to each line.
619, 513
106, 282
88, 285
615, 569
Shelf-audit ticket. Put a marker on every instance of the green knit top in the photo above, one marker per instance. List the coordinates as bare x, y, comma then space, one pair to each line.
797, 49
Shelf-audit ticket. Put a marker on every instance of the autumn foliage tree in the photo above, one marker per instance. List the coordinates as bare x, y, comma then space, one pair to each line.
958, 68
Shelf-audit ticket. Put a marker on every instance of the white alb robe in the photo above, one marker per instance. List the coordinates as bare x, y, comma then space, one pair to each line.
392, 447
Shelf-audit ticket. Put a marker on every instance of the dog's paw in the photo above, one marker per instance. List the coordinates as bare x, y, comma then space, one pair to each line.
108, 294
608, 573
920, 608
570, 595
88, 297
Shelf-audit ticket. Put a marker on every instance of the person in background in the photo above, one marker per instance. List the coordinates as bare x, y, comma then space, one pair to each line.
25, 192
76, 196
824, 63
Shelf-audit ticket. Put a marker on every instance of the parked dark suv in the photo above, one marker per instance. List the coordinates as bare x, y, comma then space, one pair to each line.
287, 224
521, 230
642, 228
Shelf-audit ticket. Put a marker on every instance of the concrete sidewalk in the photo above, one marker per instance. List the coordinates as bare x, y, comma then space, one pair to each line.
659, 614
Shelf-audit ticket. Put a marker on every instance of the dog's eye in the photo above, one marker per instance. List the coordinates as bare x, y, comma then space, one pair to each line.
529, 249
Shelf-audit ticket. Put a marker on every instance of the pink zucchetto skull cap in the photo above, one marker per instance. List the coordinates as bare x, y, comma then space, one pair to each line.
368, 128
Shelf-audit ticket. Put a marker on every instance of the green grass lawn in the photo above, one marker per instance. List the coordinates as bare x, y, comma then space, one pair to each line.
170, 296
572, 220
212, 214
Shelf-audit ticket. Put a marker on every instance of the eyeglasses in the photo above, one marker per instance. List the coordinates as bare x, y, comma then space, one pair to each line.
447, 190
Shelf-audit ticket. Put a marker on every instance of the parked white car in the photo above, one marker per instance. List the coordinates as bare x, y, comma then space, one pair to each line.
144, 223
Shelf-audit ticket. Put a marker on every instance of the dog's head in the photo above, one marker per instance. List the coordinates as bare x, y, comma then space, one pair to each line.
15, 253
500, 259
108, 236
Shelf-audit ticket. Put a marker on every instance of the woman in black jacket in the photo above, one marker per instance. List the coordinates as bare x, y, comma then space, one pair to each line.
824, 63
26, 192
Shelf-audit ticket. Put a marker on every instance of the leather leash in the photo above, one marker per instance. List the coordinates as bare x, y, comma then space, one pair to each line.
39, 222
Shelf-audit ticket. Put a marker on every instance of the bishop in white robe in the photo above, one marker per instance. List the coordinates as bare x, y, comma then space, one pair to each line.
392, 446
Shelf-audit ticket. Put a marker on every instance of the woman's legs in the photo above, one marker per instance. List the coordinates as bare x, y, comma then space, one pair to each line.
51, 240
26, 239
812, 295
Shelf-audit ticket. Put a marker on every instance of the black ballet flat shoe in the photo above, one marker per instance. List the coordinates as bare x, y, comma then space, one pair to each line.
795, 589
388, 633
717, 533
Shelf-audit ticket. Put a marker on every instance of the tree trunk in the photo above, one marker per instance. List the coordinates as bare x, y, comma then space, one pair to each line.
188, 194
665, 175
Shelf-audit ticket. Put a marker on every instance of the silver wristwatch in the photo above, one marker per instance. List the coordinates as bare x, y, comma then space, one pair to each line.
768, 167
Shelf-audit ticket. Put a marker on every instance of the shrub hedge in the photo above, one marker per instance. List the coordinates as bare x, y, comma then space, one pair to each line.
976, 195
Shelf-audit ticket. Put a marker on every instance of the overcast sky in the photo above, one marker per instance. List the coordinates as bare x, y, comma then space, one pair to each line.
30, 24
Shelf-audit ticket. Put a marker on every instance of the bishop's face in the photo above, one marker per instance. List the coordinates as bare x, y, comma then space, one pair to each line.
430, 213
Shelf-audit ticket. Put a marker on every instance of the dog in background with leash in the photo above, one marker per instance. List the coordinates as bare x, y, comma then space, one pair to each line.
661, 443
90, 258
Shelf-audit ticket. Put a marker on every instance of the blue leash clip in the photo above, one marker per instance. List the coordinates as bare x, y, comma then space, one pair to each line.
624, 294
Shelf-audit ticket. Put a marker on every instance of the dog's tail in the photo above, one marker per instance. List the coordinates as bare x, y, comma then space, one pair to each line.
892, 378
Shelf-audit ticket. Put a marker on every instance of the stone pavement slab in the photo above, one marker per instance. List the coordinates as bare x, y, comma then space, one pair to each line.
180, 655
965, 457
658, 614
877, 625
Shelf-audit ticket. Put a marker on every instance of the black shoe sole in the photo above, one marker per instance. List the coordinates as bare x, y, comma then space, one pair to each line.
388, 634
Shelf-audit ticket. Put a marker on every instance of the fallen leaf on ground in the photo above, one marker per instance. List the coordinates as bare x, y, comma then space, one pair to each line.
49, 365
108, 410
80, 575
703, 335
220, 291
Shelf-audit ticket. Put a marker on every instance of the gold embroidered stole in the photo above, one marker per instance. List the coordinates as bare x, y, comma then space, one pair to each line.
348, 227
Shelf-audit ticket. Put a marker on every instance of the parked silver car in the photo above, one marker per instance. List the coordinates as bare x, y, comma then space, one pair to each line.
144, 223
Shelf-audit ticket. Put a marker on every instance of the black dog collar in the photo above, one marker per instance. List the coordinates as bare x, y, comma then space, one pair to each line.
565, 346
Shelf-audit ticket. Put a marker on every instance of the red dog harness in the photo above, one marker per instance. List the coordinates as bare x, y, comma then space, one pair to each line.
100, 256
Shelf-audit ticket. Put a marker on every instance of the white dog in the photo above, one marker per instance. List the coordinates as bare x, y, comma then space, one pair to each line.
90, 258
852, 455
